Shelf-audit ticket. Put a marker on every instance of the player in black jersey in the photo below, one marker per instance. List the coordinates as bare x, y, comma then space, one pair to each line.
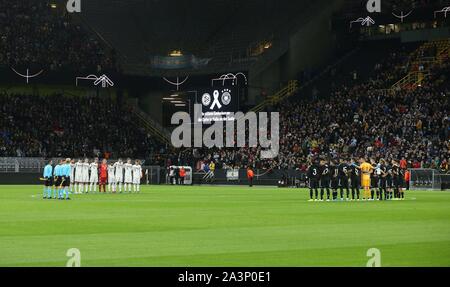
355, 179
334, 175
401, 183
389, 181
343, 178
374, 180
313, 177
324, 179
382, 179
395, 179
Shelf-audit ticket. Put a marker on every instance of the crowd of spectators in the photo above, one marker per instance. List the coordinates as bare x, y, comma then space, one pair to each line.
359, 119
61, 126
34, 35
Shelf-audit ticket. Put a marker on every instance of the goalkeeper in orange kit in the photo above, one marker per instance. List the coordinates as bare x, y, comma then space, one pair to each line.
366, 170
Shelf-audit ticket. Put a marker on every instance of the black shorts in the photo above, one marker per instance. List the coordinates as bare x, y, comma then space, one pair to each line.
334, 183
374, 182
48, 181
313, 183
389, 182
324, 182
57, 181
66, 181
382, 182
343, 182
355, 181
398, 182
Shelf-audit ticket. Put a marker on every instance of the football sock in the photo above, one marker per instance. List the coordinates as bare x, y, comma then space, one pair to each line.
311, 194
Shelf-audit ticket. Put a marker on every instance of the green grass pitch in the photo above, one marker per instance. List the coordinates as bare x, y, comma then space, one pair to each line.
221, 226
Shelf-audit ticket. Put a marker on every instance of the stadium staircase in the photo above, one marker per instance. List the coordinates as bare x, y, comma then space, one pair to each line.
416, 76
281, 94
149, 124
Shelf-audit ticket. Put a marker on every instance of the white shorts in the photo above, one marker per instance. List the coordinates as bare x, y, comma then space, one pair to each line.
128, 179
136, 180
111, 179
85, 178
119, 180
77, 177
93, 179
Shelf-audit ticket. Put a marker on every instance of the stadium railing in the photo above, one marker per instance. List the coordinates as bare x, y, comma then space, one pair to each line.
21, 164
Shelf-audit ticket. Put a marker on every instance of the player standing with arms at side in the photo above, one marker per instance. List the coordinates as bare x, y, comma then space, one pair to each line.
93, 179
57, 179
128, 175
111, 179
66, 182
78, 176
137, 175
334, 179
119, 174
366, 170
103, 176
85, 175
374, 180
72, 176
48, 180
389, 181
382, 179
401, 183
324, 179
395, 179
343, 178
313, 175
355, 179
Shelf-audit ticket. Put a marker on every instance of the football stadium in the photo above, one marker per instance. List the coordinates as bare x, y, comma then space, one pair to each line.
224, 133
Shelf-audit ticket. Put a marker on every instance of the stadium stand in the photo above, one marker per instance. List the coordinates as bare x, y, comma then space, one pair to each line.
362, 118
357, 118
57, 125
33, 35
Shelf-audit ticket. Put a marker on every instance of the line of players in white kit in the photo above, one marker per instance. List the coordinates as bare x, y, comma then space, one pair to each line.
85, 176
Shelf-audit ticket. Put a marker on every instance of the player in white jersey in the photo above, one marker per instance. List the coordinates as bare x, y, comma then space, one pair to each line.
119, 174
128, 175
85, 175
78, 173
111, 178
72, 176
137, 175
93, 179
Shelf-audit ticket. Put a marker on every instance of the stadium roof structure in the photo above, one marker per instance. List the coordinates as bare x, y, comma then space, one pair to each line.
230, 34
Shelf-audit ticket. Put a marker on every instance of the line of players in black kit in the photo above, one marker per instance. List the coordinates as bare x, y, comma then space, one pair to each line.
386, 180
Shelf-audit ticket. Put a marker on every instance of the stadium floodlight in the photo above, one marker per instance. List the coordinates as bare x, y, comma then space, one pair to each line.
176, 53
